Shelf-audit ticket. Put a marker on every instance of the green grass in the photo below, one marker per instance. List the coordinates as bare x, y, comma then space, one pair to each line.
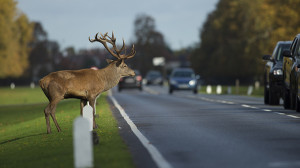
23, 138
241, 91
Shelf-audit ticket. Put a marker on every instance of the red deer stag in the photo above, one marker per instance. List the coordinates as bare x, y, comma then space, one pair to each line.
85, 84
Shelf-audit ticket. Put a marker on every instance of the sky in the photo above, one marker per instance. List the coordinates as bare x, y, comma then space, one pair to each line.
71, 22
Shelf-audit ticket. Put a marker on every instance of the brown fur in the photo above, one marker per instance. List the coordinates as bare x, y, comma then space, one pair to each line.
84, 84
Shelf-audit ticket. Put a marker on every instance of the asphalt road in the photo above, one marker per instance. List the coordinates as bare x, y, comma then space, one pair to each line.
210, 130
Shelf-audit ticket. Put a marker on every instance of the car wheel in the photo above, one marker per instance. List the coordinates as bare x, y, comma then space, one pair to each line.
170, 90
141, 88
292, 100
195, 91
266, 95
273, 97
286, 100
297, 104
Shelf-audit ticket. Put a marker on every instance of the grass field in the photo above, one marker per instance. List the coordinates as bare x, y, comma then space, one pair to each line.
242, 90
23, 138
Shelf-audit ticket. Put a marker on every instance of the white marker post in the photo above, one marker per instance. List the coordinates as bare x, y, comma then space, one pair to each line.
219, 89
82, 143
208, 89
87, 113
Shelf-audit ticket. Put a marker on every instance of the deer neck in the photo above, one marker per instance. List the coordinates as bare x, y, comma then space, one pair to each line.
111, 77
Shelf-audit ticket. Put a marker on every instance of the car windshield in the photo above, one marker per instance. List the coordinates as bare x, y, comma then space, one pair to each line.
281, 48
154, 74
183, 74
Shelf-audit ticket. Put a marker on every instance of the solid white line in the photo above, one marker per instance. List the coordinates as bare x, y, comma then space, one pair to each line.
160, 161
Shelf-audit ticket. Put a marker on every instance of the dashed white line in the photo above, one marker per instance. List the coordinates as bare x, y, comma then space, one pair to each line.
293, 116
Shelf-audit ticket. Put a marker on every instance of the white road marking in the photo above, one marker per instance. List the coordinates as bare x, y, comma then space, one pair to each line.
160, 161
151, 91
293, 116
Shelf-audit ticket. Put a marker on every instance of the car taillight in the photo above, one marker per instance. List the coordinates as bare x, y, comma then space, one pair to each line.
138, 78
121, 79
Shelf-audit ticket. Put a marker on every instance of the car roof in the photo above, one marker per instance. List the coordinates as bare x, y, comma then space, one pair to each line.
183, 69
284, 42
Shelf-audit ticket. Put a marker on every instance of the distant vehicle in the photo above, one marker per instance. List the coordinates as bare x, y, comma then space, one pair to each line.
183, 79
154, 78
291, 75
273, 74
131, 82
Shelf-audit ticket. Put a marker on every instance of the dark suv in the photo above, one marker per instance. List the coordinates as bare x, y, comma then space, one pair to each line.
291, 65
273, 75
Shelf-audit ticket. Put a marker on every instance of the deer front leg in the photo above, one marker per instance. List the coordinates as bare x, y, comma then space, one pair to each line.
92, 103
82, 104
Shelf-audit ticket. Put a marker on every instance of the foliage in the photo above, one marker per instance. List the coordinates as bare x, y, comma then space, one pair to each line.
237, 34
15, 35
24, 142
148, 42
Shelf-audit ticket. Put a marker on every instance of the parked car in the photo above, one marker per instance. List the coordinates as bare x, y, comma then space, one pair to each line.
131, 82
183, 79
273, 74
291, 65
153, 77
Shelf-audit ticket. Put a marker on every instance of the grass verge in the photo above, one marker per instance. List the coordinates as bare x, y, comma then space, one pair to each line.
242, 90
23, 138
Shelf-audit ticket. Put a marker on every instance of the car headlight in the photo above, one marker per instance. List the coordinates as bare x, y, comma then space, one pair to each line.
277, 72
192, 82
173, 82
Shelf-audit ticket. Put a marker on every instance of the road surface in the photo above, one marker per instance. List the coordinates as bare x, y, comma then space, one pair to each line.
209, 130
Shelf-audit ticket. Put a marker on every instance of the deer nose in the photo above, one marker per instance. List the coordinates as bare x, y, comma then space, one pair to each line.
133, 73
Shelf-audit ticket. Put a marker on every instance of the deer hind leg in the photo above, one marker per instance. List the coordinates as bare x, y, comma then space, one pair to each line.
47, 112
53, 109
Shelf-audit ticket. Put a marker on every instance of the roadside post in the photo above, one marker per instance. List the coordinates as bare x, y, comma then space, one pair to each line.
82, 143
87, 113
250, 90
208, 89
219, 89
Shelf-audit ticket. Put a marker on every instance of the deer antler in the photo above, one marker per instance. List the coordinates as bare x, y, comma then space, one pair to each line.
112, 41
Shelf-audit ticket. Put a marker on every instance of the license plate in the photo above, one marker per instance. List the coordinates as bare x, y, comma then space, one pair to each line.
183, 86
129, 80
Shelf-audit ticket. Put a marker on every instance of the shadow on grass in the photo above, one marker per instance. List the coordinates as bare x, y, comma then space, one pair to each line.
15, 139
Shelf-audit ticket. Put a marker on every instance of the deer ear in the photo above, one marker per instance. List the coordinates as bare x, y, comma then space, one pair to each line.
109, 61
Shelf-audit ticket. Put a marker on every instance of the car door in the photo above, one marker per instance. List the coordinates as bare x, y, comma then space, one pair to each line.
288, 64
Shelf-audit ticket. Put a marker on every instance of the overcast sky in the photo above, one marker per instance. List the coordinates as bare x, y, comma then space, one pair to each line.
71, 22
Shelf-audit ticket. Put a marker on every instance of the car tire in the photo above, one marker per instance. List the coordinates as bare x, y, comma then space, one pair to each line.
273, 97
170, 90
141, 88
195, 91
297, 104
286, 100
266, 95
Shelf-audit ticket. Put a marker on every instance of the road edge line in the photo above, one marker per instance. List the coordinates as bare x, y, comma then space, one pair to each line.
160, 161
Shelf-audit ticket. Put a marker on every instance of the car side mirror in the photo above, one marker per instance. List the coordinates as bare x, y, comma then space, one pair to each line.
287, 53
266, 57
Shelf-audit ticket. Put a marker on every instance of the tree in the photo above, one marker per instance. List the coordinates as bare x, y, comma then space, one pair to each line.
238, 33
15, 35
149, 43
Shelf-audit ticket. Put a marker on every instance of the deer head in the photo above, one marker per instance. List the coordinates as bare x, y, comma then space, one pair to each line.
120, 64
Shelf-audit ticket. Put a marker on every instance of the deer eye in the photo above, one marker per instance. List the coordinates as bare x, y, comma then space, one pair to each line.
125, 66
